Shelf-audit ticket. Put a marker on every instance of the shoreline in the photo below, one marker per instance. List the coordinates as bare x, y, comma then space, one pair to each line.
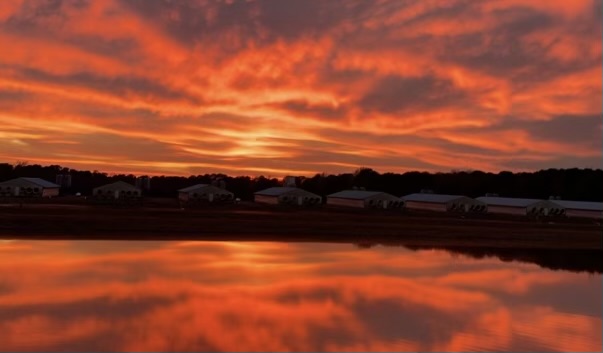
265, 223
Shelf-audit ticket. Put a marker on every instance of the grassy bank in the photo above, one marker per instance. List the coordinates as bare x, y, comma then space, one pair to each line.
240, 222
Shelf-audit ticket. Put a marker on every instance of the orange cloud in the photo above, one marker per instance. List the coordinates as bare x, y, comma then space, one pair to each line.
216, 84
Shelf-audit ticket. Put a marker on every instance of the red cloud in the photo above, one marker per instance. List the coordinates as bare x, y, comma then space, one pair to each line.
373, 70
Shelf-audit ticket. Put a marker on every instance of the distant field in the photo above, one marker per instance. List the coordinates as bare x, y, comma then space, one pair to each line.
161, 219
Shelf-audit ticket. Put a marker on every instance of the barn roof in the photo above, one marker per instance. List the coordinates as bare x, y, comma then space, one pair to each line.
508, 201
434, 198
580, 205
121, 185
29, 181
357, 194
280, 190
201, 186
193, 187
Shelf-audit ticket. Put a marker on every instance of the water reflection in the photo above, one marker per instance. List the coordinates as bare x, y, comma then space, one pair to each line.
554, 259
192, 296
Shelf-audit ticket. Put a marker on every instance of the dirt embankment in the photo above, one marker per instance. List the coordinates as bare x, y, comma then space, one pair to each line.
241, 222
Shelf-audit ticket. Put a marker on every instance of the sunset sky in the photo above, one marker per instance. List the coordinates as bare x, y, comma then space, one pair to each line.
280, 87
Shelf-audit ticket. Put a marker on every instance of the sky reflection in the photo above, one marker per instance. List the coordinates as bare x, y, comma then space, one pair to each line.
191, 296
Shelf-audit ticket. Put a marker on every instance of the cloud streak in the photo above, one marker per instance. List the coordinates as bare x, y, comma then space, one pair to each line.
214, 86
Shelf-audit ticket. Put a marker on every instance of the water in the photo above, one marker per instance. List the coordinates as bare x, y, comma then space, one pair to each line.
229, 296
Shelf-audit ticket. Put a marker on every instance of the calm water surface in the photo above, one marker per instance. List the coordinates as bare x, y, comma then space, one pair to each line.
192, 296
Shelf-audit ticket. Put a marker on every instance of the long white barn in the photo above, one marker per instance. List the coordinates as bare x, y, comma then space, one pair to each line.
287, 196
442, 203
28, 187
581, 209
202, 193
117, 191
364, 199
523, 207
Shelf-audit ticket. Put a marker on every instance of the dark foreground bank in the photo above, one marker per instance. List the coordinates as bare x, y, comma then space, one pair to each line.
269, 224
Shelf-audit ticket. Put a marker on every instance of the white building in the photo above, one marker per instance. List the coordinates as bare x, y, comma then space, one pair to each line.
117, 191
442, 203
204, 193
364, 199
28, 187
581, 209
524, 207
287, 196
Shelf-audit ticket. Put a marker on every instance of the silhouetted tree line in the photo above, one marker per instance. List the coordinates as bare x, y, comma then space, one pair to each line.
569, 184
555, 259
566, 259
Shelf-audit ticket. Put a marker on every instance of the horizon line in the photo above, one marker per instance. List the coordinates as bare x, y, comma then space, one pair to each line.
269, 176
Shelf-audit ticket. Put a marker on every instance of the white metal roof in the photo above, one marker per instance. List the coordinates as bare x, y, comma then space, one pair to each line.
280, 190
358, 194
193, 187
121, 185
202, 186
433, 198
24, 182
580, 205
508, 201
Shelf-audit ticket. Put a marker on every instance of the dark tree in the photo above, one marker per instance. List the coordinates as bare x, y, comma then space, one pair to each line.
569, 184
